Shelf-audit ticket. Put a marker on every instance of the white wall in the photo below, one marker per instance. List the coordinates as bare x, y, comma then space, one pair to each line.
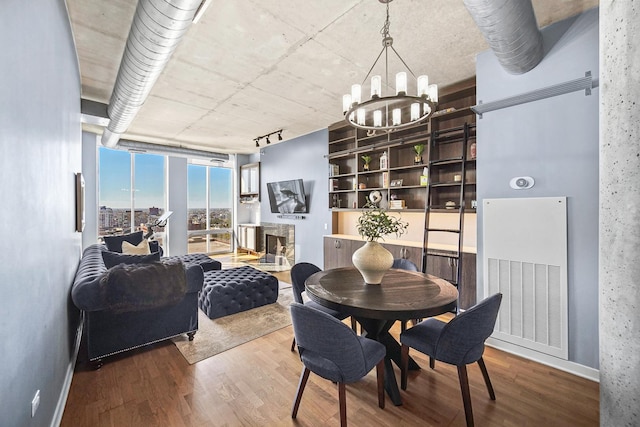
556, 142
40, 143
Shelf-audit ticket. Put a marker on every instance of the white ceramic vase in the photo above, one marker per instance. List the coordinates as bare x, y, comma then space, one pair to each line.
372, 261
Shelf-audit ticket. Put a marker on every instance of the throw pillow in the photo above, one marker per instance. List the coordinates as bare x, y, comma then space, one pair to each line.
141, 248
114, 243
111, 259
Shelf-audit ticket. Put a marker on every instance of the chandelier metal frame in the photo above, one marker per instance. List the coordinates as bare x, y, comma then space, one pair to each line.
392, 109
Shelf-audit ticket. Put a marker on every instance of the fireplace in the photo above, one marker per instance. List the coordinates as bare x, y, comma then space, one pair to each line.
275, 249
277, 244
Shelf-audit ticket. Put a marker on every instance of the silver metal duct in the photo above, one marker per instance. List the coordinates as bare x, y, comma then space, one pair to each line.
146, 147
511, 30
157, 28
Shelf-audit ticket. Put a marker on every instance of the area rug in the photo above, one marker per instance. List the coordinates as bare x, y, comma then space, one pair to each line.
218, 335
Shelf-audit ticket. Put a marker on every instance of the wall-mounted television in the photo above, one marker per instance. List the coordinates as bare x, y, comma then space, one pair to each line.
287, 197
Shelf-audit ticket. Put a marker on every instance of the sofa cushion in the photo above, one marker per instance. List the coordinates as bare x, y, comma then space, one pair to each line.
114, 243
134, 287
141, 248
111, 259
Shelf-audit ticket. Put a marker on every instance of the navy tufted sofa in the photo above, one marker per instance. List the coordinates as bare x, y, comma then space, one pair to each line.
236, 289
110, 331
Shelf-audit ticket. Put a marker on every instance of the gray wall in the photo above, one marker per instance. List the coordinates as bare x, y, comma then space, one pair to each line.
40, 140
303, 158
556, 142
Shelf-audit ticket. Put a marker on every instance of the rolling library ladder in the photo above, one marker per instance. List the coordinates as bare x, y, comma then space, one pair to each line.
446, 191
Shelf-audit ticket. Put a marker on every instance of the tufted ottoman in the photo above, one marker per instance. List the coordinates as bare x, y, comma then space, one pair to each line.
202, 260
236, 289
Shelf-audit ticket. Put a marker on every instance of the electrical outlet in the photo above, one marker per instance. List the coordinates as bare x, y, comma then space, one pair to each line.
35, 403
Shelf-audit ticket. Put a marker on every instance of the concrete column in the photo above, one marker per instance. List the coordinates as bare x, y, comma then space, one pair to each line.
619, 272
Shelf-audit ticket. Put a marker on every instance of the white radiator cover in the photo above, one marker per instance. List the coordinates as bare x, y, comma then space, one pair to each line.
525, 258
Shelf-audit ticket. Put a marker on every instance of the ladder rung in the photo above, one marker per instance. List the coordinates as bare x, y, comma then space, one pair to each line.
444, 255
444, 230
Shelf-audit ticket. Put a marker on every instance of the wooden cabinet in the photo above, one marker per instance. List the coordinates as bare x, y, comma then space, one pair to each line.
337, 252
445, 267
250, 183
411, 253
249, 237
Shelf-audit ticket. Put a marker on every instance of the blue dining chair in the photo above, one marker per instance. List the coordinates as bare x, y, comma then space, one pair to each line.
458, 342
300, 272
331, 350
404, 264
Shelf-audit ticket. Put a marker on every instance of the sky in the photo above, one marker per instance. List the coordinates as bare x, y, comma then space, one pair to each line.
115, 182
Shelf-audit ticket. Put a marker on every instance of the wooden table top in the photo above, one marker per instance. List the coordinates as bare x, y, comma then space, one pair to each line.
402, 295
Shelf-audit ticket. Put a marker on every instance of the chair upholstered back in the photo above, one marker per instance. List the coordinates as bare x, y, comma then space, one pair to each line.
300, 272
329, 348
462, 339
404, 264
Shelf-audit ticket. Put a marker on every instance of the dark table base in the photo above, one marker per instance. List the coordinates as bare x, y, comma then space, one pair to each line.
378, 330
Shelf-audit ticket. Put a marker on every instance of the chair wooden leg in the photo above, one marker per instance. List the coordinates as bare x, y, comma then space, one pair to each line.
293, 344
303, 382
342, 398
354, 324
487, 381
432, 362
380, 376
466, 395
404, 366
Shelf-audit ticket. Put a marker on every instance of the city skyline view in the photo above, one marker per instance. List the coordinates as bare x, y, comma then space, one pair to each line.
115, 182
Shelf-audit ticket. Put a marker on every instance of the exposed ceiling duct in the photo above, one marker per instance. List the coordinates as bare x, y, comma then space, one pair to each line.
145, 147
511, 30
157, 28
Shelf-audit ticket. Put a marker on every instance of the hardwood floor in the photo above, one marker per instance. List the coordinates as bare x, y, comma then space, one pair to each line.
254, 385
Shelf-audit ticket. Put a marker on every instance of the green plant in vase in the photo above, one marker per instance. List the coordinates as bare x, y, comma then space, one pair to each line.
372, 260
366, 159
418, 149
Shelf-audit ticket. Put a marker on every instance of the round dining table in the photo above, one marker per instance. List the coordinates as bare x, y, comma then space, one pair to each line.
403, 295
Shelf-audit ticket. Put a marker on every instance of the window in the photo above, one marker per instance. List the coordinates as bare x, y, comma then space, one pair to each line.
131, 191
210, 214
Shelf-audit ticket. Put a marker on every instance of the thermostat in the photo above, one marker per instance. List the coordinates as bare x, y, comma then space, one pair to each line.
521, 182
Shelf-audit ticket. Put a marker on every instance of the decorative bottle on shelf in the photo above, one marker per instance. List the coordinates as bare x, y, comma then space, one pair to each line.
383, 161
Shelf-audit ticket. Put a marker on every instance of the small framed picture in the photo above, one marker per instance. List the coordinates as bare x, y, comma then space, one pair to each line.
396, 183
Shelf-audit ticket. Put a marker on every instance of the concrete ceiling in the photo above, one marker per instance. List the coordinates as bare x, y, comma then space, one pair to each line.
251, 67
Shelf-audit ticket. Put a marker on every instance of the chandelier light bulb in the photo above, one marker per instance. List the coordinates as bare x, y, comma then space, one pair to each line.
423, 85
360, 115
415, 111
346, 103
401, 83
356, 93
376, 86
397, 116
432, 93
377, 118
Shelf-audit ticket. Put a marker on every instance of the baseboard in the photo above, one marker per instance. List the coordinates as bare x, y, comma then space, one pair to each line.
66, 386
563, 365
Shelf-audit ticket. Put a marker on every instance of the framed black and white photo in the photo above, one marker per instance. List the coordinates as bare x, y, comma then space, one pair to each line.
396, 183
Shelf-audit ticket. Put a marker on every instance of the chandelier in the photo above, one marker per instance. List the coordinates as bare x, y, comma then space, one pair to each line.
388, 112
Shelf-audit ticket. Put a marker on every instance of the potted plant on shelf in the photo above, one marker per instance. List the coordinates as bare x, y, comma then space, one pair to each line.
366, 159
418, 149
372, 260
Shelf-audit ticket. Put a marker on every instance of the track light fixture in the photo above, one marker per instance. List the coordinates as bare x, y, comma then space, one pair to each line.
266, 137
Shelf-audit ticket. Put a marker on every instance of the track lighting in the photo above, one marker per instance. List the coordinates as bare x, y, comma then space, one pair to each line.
266, 137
